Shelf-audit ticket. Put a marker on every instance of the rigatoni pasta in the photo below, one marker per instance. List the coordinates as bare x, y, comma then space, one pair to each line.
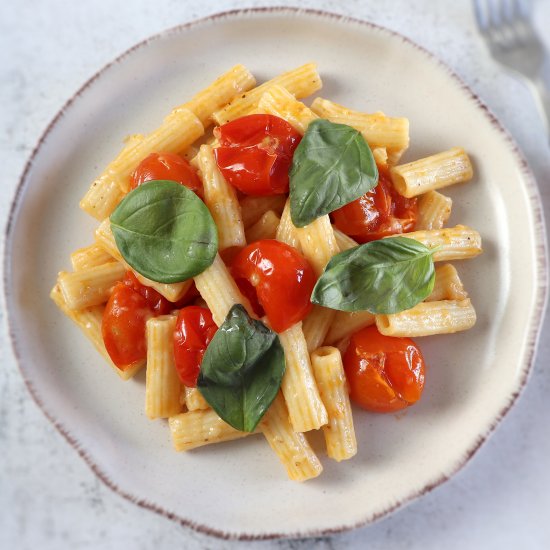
209, 316
162, 384
198, 428
446, 168
300, 82
429, 318
331, 379
221, 200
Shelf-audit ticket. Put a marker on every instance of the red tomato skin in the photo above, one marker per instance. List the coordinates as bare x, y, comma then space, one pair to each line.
123, 326
166, 166
385, 374
156, 302
380, 212
255, 153
194, 330
283, 280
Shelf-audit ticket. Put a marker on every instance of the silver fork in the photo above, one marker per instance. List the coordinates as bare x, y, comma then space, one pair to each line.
508, 30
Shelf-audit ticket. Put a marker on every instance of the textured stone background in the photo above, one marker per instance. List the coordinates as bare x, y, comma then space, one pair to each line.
49, 499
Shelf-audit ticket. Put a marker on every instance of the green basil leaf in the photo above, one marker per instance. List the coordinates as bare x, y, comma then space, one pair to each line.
165, 232
241, 370
332, 166
385, 276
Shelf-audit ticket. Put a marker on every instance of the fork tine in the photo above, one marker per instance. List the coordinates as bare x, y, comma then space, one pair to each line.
496, 15
481, 15
523, 9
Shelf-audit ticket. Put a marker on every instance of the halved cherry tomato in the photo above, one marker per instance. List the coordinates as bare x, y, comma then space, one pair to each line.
282, 278
123, 326
255, 153
385, 373
166, 166
378, 213
195, 328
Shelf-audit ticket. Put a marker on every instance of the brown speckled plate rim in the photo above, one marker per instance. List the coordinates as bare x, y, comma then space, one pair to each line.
534, 329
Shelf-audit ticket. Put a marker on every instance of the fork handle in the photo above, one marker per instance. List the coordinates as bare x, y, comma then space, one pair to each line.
544, 101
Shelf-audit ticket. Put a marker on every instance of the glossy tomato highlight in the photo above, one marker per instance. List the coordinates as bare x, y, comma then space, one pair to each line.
380, 212
282, 278
195, 328
123, 326
255, 153
167, 166
385, 373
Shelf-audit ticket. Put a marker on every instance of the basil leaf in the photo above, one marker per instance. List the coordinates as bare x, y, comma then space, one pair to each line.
385, 276
241, 370
165, 232
332, 166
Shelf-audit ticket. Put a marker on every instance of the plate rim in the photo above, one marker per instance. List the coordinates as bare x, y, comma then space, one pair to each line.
536, 319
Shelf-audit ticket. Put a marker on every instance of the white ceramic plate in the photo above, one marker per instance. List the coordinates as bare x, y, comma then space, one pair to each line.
240, 489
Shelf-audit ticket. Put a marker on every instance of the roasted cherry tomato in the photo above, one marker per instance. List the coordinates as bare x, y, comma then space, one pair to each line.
228, 255
158, 304
282, 278
166, 166
384, 373
255, 153
123, 326
378, 213
194, 330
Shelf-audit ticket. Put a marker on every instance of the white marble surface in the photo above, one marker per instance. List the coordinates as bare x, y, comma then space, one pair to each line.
48, 496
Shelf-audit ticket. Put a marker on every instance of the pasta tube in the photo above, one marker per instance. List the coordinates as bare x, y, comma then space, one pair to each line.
343, 241
287, 232
194, 399
106, 192
345, 323
300, 82
378, 129
200, 427
434, 209
264, 228
90, 256
305, 407
452, 243
292, 448
339, 432
280, 102
178, 130
319, 246
428, 318
162, 383
253, 208
220, 291
428, 174
91, 286
447, 286
221, 200
224, 89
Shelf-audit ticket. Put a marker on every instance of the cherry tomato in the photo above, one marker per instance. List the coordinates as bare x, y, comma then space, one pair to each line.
123, 326
228, 255
156, 302
166, 166
282, 278
195, 329
255, 153
378, 213
385, 373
